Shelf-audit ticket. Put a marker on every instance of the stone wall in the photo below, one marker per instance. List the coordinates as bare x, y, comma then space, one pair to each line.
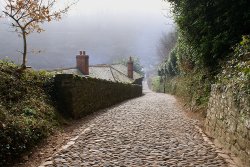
228, 119
78, 96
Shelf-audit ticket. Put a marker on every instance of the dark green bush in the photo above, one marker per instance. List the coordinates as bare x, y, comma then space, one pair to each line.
211, 27
236, 71
207, 32
193, 85
27, 114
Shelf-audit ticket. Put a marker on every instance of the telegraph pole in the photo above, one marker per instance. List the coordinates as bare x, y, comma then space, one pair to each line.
165, 73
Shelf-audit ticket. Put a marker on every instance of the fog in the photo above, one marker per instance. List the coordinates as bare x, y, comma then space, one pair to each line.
107, 30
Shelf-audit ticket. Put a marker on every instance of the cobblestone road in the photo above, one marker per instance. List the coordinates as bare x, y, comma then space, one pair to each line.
146, 131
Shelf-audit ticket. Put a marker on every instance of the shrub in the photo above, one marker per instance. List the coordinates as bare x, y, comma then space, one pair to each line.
236, 71
27, 114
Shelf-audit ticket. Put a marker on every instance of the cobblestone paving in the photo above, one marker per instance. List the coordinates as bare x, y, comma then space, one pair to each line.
149, 131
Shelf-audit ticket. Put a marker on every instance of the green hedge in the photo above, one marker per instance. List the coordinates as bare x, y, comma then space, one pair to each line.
27, 113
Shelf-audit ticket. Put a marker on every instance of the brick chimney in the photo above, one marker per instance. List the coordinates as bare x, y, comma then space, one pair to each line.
130, 68
82, 63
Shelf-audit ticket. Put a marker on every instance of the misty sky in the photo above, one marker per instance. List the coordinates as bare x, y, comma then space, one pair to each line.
107, 30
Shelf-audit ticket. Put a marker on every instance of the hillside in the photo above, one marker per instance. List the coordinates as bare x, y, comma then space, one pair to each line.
27, 114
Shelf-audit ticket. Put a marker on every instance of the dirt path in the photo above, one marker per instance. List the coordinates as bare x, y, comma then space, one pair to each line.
146, 131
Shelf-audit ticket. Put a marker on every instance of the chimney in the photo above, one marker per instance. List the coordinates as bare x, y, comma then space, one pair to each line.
82, 63
130, 68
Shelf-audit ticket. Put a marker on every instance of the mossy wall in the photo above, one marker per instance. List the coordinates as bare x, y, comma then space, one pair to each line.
228, 119
78, 96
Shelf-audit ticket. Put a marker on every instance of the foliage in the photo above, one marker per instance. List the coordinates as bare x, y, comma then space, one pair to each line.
172, 64
28, 15
193, 84
27, 114
157, 84
243, 47
206, 34
210, 27
170, 67
237, 70
193, 88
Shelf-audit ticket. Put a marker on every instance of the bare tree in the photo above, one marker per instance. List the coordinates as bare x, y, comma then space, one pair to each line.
28, 15
166, 44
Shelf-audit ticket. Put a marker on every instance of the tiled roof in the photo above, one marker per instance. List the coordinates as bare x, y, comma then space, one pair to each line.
114, 72
101, 72
120, 77
123, 69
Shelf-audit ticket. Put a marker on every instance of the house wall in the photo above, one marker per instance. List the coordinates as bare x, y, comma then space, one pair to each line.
78, 96
228, 119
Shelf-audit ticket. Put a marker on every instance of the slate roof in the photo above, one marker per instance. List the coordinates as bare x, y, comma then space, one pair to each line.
123, 69
113, 72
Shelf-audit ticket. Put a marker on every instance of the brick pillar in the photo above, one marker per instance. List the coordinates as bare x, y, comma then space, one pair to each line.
130, 68
82, 62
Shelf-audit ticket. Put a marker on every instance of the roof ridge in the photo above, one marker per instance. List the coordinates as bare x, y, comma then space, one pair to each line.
58, 69
100, 65
112, 73
117, 64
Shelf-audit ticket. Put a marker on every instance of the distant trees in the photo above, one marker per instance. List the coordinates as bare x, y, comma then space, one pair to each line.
167, 54
137, 64
166, 44
28, 15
